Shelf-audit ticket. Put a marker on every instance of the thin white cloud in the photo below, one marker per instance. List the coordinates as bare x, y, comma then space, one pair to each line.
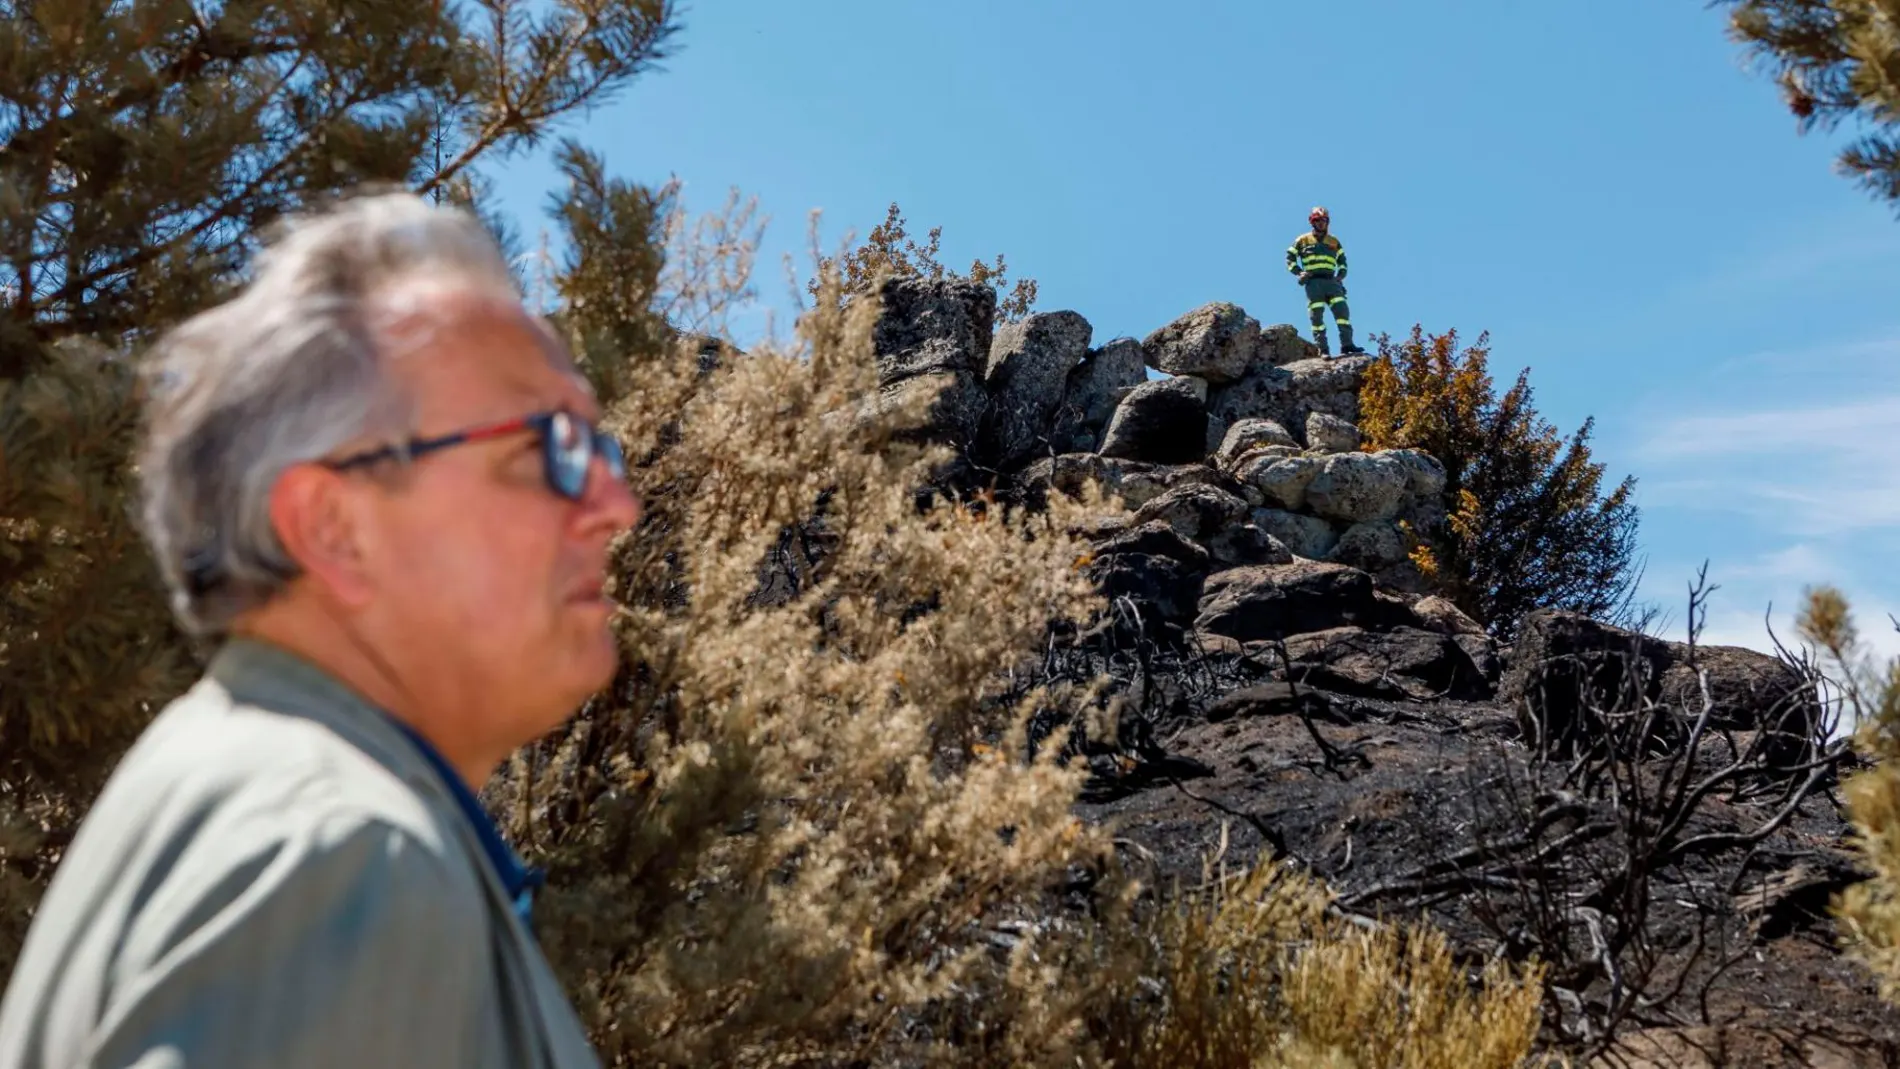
1752, 629
1866, 359
1805, 250
1857, 429
1807, 470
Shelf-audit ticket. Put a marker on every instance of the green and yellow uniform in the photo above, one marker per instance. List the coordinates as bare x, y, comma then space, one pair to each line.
1323, 261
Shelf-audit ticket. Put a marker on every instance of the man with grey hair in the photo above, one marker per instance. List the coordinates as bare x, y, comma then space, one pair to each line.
375, 481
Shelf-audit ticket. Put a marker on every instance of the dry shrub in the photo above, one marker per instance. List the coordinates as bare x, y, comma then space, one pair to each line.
791, 828
1255, 970
1871, 692
1529, 522
890, 250
805, 826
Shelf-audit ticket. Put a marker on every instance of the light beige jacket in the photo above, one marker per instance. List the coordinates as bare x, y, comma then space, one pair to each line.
275, 876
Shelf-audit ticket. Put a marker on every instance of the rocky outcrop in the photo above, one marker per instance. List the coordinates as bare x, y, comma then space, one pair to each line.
1094, 389
932, 326
1569, 671
1279, 601
1214, 343
1327, 433
1246, 452
1356, 487
1163, 422
1288, 393
1266, 637
1027, 377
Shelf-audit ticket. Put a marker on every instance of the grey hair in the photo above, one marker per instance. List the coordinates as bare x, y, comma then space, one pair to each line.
288, 371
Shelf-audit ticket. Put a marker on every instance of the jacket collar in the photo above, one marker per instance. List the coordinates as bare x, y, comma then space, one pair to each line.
261, 673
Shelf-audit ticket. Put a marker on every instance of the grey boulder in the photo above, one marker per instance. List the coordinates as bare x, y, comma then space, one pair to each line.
1029, 364
1214, 342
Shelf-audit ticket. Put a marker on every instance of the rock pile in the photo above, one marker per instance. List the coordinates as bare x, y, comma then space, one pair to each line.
1258, 523
1242, 454
1286, 683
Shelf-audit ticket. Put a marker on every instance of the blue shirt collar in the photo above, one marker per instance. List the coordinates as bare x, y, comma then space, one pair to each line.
518, 879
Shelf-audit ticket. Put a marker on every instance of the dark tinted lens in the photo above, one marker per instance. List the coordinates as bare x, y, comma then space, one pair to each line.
569, 450
609, 448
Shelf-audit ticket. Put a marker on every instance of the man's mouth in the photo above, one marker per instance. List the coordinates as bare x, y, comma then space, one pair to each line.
589, 594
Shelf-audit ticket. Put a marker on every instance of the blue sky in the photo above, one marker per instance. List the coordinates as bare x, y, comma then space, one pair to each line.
1601, 185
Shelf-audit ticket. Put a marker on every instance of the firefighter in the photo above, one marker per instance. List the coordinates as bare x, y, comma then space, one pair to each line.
1318, 260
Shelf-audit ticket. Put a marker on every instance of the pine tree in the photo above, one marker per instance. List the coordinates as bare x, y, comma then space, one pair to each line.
1835, 60
145, 145
1529, 524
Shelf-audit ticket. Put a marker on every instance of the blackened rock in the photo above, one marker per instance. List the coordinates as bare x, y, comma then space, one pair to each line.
1029, 364
1134, 481
1197, 510
1277, 601
1162, 587
953, 404
1093, 389
929, 326
1163, 422
1155, 538
1278, 698
1567, 671
1244, 544
1403, 663
1749, 691
1439, 614
1483, 651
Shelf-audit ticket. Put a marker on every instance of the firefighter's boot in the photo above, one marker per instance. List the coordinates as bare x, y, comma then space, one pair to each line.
1346, 347
1319, 339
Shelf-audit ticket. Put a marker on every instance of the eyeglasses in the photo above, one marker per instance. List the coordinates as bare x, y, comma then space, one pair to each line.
568, 447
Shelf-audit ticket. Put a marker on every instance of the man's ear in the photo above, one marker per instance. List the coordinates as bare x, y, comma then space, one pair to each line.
320, 523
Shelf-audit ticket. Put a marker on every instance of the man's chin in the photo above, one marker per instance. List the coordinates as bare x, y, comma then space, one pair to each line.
599, 648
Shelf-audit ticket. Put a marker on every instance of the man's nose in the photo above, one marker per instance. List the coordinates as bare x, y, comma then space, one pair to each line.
610, 499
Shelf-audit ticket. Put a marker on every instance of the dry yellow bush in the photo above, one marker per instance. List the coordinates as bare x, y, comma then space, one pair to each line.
1871, 692
1255, 971
1529, 524
791, 830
